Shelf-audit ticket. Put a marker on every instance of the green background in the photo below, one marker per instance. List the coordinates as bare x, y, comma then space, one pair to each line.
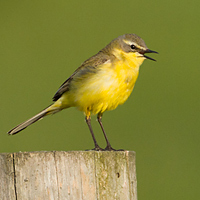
43, 42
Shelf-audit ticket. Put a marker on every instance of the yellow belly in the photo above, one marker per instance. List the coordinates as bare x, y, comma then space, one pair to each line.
104, 90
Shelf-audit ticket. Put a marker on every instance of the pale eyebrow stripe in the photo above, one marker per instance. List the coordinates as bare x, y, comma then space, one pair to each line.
130, 43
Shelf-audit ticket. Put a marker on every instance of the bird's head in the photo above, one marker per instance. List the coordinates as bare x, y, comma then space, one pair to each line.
131, 46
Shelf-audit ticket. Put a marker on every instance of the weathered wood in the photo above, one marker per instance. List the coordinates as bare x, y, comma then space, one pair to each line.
84, 175
7, 185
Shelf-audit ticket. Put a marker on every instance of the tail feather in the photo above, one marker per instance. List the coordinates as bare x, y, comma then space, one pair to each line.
54, 108
49, 110
30, 121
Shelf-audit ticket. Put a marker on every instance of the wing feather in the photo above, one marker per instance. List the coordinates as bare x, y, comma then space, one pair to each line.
89, 66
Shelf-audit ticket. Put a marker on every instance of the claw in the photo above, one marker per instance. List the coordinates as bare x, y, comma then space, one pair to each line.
109, 148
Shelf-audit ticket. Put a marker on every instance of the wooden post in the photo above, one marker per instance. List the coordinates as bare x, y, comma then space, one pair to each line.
75, 175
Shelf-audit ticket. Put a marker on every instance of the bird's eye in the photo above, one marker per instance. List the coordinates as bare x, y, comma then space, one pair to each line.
133, 46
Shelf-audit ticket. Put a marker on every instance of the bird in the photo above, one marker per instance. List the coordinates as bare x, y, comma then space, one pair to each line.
101, 83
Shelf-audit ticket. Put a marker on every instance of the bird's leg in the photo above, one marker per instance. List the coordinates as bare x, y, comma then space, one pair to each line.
88, 121
108, 147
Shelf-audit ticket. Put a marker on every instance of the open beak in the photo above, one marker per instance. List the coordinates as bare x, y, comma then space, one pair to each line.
148, 51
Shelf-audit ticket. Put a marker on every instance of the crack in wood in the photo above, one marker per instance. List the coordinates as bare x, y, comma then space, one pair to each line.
15, 182
56, 174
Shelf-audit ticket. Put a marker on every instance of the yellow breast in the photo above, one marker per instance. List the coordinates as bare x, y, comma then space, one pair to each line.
107, 88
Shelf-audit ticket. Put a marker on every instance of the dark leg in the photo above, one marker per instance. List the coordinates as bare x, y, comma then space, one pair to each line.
108, 147
88, 121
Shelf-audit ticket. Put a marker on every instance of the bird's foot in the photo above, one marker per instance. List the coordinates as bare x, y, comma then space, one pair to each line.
96, 148
109, 148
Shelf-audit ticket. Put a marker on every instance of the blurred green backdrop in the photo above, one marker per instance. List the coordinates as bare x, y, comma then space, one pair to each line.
43, 42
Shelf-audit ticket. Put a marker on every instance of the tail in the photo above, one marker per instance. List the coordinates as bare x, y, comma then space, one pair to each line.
49, 110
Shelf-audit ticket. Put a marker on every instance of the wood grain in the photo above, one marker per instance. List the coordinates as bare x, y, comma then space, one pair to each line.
74, 175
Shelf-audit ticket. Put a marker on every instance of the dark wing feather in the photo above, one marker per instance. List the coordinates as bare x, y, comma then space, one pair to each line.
63, 88
88, 66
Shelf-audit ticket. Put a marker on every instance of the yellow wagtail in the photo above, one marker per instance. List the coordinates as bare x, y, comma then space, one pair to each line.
101, 83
